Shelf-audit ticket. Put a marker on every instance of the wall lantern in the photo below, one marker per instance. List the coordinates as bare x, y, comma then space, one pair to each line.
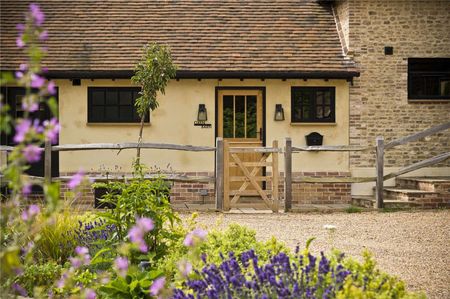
202, 114
279, 112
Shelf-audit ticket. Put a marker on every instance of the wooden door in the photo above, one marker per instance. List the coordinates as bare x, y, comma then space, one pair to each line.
240, 122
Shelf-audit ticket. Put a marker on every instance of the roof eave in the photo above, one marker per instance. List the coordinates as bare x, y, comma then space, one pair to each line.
221, 74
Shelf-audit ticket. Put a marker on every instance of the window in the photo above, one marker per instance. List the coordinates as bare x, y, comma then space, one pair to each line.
113, 105
313, 104
429, 78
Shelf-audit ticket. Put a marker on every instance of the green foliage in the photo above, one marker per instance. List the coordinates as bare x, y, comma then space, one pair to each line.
236, 238
353, 209
152, 73
56, 241
141, 198
369, 282
135, 284
39, 278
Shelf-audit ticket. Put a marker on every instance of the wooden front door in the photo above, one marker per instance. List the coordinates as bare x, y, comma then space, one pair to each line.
240, 122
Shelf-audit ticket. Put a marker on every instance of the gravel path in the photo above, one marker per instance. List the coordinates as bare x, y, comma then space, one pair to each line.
412, 245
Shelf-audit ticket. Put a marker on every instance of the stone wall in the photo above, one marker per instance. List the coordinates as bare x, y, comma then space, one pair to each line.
378, 98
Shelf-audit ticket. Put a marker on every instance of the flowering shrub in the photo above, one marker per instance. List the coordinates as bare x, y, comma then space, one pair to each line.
304, 276
140, 198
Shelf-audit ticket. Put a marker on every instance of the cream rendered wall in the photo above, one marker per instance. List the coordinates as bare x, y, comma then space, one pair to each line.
173, 122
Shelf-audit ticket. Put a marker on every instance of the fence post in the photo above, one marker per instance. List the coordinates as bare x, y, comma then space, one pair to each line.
275, 178
226, 176
288, 175
380, 171
219, 173
48, 162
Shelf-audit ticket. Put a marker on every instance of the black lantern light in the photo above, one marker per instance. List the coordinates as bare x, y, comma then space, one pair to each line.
279, 112
202, 114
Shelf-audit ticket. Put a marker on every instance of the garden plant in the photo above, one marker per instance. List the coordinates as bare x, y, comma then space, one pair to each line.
139, 248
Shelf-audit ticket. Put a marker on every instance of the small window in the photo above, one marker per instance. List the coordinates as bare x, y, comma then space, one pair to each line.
113, 105
429, 78
313, 104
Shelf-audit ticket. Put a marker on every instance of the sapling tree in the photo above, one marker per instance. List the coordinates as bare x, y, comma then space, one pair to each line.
152, 73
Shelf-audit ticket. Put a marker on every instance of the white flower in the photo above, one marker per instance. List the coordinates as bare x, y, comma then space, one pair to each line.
329, 227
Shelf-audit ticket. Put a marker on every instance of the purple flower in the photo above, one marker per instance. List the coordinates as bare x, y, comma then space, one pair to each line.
19, 75
21, 130
196, 234
145, 224
121, 264
83, 257
76, 180
51, 88
28, 104
43, 35
185, 268
90, 294
52, 128
23, 67
20, 27
81, 250
37, 14
32, 153
137, 232
26, 189
19, 42
32, 211
18, 289
37, 81
157, 286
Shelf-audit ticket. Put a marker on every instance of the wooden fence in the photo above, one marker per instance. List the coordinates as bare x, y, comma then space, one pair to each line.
379, 148
220, 166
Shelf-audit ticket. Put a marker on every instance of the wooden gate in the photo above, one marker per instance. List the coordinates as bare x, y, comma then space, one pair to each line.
252, 175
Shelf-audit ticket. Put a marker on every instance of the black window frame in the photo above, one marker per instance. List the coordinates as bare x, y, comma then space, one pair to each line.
95, 119
314, 119
423, 68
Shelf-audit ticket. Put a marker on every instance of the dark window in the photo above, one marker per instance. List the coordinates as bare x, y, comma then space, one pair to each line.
113, 105
313, 104
429, 78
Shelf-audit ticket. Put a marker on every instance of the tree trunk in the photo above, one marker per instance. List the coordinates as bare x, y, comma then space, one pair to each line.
138, 152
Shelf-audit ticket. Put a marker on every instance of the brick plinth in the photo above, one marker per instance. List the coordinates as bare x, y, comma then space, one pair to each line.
321, 193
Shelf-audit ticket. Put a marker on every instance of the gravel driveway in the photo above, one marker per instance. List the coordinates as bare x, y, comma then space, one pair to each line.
412, 245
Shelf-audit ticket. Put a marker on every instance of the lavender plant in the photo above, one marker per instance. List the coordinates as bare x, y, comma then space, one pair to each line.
281, 277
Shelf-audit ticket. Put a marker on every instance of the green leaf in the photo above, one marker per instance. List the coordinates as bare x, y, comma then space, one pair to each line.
53, 106
97, 259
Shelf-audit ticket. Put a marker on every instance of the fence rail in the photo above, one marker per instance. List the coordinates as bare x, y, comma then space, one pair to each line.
223, 163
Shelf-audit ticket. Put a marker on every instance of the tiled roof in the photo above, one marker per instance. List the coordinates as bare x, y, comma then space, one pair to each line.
204, 36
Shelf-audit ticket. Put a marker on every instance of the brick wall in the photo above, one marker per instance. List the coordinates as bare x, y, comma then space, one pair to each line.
180, 191
317, 193
378, 98
321, 193
192, 192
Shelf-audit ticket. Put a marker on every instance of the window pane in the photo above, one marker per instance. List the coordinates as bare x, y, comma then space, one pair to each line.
319, 112
126, 113
126, 97
97, 113
327, 112
112, 113
98, 97
319, 98
228, 117
251, 116
327, 95
445, 87
239, 110
112, 97
306, 113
